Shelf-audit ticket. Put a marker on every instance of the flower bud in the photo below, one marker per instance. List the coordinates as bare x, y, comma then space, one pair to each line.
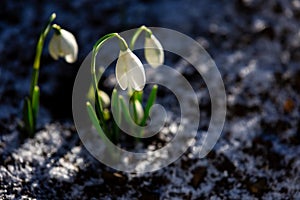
154, 52
136, 106
105, 100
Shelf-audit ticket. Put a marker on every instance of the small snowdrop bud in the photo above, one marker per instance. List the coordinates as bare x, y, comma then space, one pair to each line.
154, 52
105, 100
137, 106
130, 71
63, 44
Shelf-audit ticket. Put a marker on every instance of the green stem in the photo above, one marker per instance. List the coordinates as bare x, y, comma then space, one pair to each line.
34, 81
31, 104
96, 48
39, 49
115, 107
137, 34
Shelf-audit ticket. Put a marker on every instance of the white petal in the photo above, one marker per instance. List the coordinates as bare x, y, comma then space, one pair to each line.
135, 73
54, 47
130, 70
66, 41
136, 78
63, 45
68, 45
70, 58
121, 71
154, 53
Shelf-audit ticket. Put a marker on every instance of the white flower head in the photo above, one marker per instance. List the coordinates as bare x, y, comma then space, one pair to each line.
130, 71
154, 52
63, 44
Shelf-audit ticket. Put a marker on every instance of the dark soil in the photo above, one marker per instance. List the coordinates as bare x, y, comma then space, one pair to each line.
256, 46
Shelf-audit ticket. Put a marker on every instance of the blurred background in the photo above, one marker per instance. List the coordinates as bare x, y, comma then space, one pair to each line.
235, 33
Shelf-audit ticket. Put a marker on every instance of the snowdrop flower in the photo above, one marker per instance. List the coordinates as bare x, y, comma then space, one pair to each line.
63, 44
154, 52
130, 71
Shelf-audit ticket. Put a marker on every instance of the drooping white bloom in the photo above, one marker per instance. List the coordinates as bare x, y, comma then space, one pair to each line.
63, 44
154, 52
130, 71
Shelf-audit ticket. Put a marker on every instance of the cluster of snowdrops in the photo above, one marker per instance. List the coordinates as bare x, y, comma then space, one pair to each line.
129, 72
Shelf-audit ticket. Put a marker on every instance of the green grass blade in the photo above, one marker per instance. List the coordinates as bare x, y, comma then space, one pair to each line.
117, 113
116, 106
35, 103
132, 110
149, 104
100, 113
125, 110
138, 95
28, 117
95, 121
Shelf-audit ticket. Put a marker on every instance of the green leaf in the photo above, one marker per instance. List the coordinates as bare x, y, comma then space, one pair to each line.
98, 103
115, 107
135, 106
138, 95
100, 113
125, 110
91, 93
106, 114
35, 103
150, 102
28, 117
95, 121
132, 109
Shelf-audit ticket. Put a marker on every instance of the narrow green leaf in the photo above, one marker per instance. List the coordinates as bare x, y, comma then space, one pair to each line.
98, 103
95, 121
100, 113
150, 102
35, 103
125, 110
34, 81
138, 95
91, 92
115, 107
106, 114
132, 109
28, 117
